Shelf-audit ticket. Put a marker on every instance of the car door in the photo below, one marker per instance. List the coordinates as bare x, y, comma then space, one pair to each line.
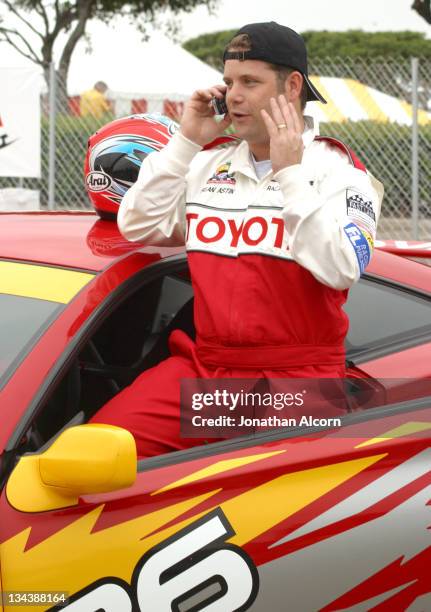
389, 338
295, 519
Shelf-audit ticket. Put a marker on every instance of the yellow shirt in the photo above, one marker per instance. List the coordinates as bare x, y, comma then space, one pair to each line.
93, 103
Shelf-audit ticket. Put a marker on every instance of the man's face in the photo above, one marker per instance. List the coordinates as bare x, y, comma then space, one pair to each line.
250, 85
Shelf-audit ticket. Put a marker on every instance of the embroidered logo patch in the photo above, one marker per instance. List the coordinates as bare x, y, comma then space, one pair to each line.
273, 186
369, 239
222, 175
360, 245
360, 210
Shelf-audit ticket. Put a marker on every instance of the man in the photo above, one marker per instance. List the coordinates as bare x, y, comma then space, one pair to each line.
94, 103
277, 229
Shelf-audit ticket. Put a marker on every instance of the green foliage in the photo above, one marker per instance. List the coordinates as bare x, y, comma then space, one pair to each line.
384, 148
354, 43
71, 138
209, 47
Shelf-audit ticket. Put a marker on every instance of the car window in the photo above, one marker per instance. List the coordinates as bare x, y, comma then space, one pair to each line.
175, 293
30, 296
23, 319
380, 314
129, 336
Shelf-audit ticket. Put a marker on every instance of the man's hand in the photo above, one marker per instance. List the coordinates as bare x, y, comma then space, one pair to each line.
198, 122
285, 133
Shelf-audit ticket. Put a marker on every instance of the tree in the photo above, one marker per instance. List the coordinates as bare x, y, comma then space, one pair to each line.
322, 44
423, 8
378, 59
33, 27
209, 47
357, 43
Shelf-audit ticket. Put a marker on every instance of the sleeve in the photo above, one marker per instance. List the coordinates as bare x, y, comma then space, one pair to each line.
153, 209
332, 222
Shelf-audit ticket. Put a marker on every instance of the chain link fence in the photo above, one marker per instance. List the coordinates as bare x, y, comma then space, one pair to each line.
369, 108
66, 124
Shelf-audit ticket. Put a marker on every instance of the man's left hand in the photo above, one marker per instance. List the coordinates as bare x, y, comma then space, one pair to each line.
285, 133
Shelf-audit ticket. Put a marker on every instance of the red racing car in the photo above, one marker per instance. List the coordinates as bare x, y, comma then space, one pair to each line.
338, 519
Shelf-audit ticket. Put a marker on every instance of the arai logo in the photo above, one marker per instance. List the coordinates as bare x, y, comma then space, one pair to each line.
98, 181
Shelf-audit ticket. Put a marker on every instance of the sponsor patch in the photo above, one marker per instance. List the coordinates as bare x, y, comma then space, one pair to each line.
360, 245
233, 232
360, 210
273, 186
222, 175
369, 238
98, 181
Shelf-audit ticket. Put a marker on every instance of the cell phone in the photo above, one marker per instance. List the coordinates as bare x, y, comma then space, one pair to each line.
219, 105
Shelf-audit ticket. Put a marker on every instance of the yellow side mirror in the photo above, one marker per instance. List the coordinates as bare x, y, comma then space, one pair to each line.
83, 460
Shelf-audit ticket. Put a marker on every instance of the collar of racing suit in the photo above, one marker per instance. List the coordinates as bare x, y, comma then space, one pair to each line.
241, 159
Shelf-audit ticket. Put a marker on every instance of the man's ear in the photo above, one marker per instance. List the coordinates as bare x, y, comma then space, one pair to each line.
293, 86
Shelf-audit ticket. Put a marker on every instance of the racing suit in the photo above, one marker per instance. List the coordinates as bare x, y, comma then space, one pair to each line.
271, 261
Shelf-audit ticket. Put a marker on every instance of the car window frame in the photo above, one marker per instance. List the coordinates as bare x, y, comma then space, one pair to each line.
391, 345
279, 434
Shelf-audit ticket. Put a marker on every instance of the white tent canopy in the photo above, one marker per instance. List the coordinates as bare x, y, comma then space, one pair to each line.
133, 68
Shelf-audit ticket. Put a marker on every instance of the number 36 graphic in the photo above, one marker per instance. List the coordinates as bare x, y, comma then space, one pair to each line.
192, 570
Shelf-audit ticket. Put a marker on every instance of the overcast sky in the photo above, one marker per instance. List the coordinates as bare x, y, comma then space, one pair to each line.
301, 15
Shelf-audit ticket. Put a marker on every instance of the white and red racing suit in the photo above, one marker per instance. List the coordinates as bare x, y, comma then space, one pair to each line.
271, 262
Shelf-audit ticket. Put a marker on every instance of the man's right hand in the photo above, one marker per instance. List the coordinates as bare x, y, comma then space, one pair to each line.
198, 122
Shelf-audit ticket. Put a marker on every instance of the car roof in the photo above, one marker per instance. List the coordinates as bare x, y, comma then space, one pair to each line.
70, 239
76, 239
401, 270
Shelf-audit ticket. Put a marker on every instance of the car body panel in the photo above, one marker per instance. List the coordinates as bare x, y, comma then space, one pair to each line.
400, 270
329, 521
66, 239
295, 506
411, 363
42, 282
51, 238
82, 240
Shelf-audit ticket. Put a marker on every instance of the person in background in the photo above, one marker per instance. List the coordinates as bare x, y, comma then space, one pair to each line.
94, 102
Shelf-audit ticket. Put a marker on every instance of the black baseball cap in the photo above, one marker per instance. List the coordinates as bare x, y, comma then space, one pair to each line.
276, 44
